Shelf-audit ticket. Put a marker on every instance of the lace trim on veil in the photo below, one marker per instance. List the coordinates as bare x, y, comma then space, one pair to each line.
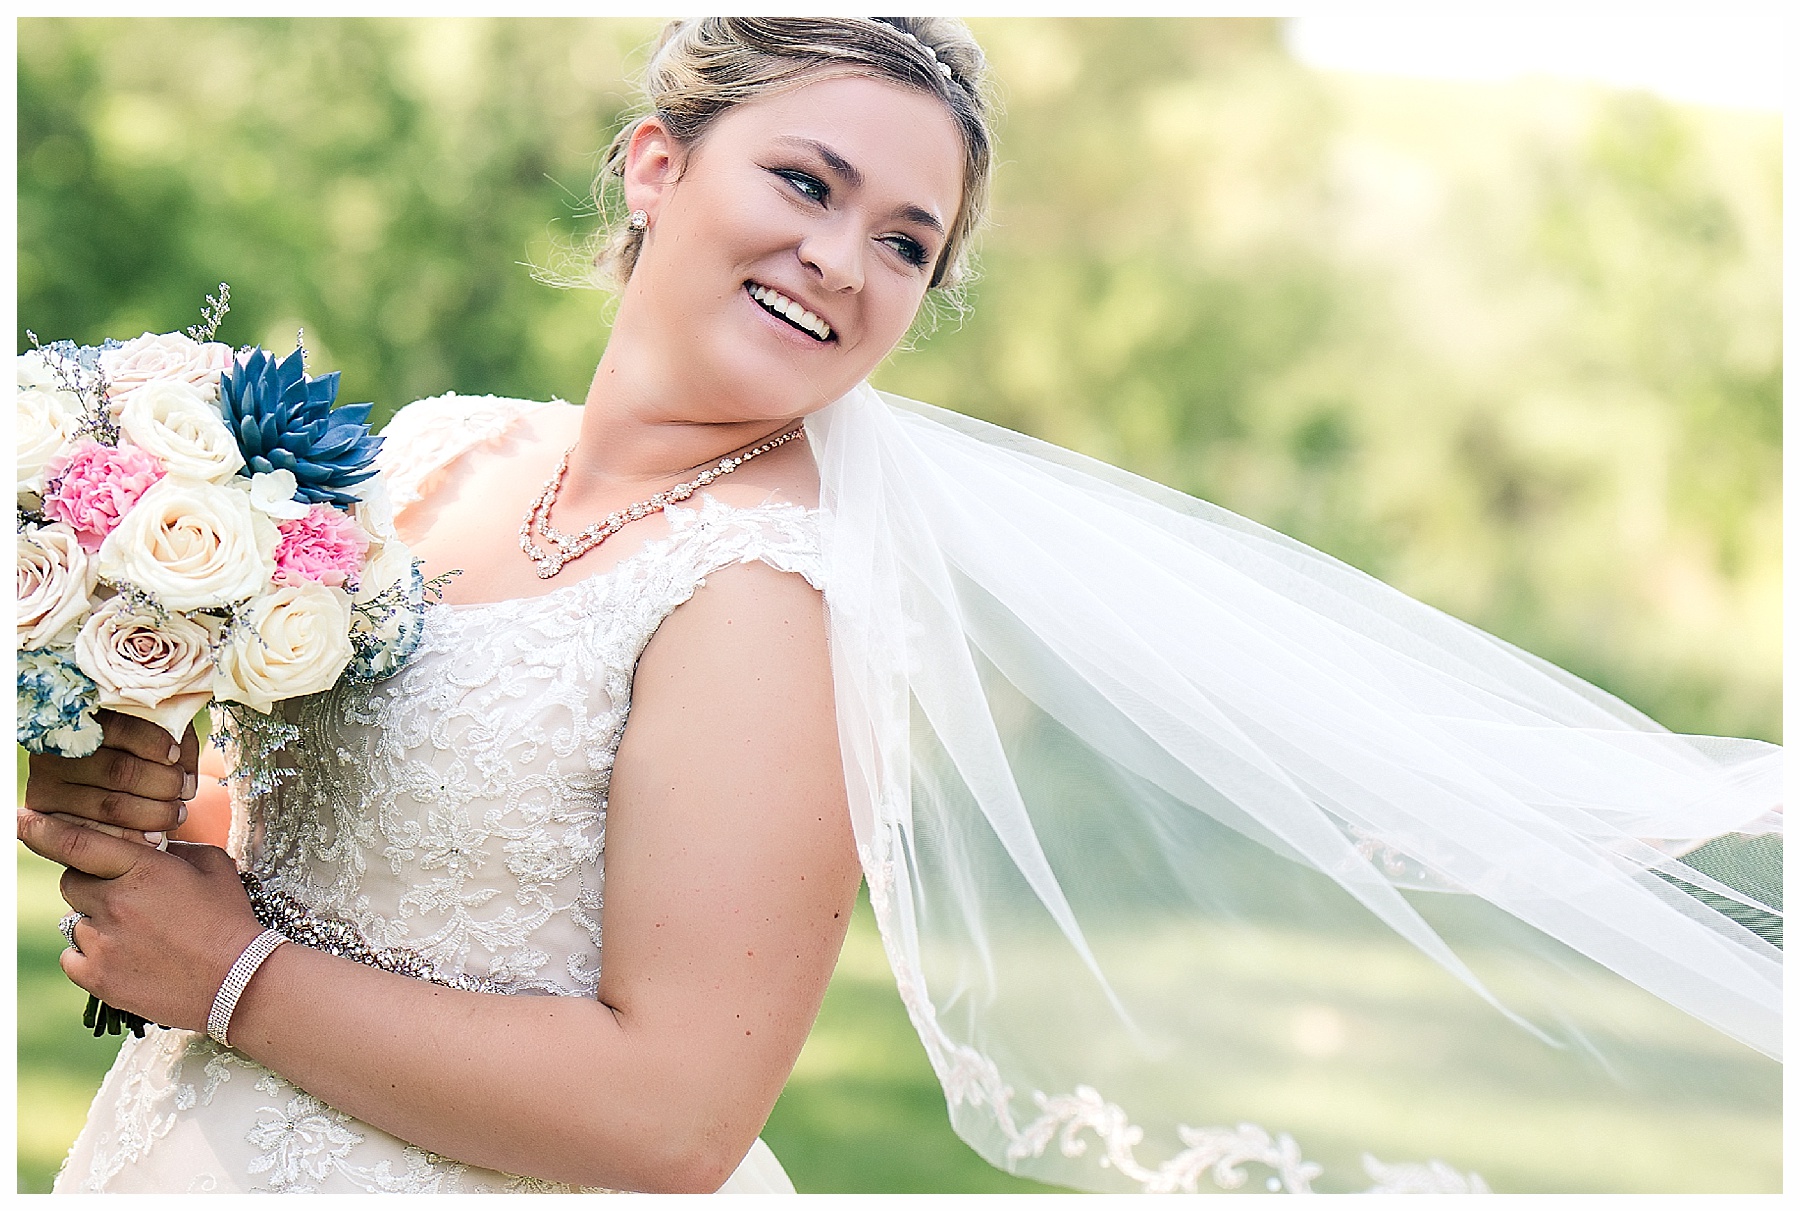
1219, 1153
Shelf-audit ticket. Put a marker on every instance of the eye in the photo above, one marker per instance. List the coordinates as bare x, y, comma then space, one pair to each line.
804, 183
908, 249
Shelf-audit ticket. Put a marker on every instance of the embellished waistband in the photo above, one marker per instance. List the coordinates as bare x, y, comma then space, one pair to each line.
286, 915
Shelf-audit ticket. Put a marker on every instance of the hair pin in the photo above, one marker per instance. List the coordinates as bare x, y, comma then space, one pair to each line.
942, 67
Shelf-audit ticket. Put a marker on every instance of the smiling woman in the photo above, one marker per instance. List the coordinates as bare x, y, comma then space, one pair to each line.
817, 217
830, 190
1197, 856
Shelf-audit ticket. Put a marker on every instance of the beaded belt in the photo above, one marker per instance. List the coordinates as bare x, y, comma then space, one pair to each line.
284, 914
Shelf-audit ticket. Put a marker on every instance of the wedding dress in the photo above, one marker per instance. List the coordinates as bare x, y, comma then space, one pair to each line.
456, 811
1200, 859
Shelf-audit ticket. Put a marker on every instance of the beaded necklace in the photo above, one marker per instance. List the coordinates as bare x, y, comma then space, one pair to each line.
566, 548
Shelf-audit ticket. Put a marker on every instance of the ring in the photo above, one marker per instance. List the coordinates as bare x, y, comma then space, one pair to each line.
67, 925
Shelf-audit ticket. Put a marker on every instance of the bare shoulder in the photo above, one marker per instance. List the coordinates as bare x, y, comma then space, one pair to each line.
734, 690
745, 616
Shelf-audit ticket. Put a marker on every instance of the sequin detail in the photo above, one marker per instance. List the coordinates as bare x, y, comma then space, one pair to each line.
288, 916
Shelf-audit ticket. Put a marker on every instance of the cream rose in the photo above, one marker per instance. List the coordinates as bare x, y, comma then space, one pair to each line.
34, 371
293, 640
154, 667
56, 585
191, 544
374, 509
171, 355
386, 564
172, 420
388, 560
46, 421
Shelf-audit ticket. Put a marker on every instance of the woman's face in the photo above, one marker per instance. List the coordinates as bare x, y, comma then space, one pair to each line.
789, 249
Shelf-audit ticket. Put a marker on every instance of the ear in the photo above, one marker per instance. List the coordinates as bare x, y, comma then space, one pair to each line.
652, 166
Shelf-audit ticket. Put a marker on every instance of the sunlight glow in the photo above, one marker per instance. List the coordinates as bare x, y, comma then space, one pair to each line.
1725, 52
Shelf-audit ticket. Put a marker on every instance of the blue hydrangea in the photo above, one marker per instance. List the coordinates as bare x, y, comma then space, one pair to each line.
57, 705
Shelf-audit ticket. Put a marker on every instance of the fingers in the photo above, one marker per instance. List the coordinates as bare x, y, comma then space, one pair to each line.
85, 894
75, 965
80, 847
190, 757
144, 739
111, 769
114, 809
153, 839
208, 859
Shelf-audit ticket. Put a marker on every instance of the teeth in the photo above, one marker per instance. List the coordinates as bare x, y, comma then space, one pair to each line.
782, 305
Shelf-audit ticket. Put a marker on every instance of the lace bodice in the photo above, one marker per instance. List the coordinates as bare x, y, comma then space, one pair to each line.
456, 810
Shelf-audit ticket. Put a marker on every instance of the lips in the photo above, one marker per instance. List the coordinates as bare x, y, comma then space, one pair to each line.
788, 310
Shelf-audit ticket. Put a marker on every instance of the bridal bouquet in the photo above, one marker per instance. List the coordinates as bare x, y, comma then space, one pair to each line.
196, 526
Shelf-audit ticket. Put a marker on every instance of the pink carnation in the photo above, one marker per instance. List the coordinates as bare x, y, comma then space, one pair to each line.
325, 545
92, 486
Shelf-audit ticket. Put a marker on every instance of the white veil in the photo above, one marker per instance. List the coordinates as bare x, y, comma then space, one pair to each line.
1203, 858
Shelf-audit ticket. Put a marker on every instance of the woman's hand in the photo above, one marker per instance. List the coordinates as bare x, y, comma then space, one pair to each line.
134, 786
160, 930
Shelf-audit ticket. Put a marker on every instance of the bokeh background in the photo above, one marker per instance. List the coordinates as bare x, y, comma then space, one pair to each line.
1514, 347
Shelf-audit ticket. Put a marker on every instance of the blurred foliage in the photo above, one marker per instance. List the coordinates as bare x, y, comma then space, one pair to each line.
1513, 348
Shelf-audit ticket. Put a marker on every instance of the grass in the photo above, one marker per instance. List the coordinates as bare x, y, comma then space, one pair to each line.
863, 1112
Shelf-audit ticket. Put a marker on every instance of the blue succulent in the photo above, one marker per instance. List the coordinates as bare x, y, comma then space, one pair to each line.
284, 420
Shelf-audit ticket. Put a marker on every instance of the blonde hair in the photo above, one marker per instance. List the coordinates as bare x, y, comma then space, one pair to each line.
703, 67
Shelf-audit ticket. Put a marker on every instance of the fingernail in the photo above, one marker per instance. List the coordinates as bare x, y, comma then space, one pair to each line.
174, 754
190, 786
181, 815
155, 838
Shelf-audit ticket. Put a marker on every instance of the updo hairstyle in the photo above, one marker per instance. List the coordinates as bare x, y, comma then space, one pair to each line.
703, 67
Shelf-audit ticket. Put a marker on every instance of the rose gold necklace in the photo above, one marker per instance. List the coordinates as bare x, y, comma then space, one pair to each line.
566, 548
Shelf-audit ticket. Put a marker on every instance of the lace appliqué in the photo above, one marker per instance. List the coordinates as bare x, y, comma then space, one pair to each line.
1218, 1153
454, 813
426, 436
145, 1099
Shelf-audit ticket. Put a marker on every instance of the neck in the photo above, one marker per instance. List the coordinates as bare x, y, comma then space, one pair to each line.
639, 428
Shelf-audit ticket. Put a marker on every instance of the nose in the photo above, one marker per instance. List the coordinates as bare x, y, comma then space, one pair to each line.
834, 251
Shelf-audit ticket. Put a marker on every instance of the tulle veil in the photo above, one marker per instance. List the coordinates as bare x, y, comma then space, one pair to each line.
1205, 861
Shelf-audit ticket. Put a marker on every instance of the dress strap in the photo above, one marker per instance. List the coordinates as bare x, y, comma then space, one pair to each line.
715, 535
425, 437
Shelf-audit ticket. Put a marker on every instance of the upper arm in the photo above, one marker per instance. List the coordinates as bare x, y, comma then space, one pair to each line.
730, 868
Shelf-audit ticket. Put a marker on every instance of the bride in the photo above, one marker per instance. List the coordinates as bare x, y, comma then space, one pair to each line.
740, 632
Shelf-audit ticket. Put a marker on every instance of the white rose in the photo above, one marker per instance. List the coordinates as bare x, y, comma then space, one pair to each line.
172, 420
172, 355
34, 371
191, 544
156, 668
56, 585
374, 509
383, 567
293, 640
46, 422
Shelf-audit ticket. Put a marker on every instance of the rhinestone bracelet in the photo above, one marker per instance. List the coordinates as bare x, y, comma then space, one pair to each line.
218, 1020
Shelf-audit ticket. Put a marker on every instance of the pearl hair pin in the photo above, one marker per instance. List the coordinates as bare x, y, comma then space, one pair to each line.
942, 67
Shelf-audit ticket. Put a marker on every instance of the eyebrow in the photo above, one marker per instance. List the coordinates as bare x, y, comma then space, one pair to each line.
852, 176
